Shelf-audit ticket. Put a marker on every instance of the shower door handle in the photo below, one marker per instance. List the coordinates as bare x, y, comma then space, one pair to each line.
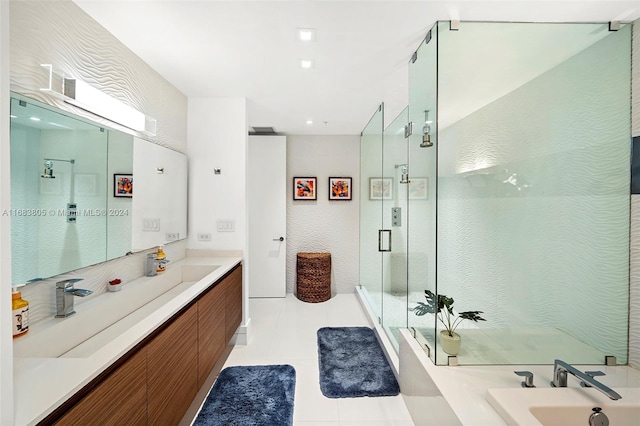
384, 243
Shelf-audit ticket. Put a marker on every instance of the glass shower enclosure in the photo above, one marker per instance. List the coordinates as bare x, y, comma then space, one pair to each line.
504, 185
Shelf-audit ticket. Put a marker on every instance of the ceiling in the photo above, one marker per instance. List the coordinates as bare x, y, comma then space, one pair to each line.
210, 48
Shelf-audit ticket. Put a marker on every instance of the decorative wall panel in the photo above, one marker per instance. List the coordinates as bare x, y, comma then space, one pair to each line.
63, 35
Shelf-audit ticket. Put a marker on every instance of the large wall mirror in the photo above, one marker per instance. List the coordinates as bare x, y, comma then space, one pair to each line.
82, 193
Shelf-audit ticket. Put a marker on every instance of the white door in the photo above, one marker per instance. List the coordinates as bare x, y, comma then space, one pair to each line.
267, 211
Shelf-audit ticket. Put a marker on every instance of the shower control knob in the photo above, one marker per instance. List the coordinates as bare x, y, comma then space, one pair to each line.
279, 239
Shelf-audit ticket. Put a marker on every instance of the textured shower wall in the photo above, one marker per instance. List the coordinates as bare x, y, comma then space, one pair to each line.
60, 33
536, 210
323, 225
634, 305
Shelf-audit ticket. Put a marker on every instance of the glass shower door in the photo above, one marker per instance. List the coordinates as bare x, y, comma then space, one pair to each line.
395, 171
371, 192
421, 198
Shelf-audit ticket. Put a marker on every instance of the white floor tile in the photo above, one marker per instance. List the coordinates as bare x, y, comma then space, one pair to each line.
284, 331
386, 409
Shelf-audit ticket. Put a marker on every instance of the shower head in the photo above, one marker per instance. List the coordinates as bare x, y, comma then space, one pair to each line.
404, 170
48, 170
426, 131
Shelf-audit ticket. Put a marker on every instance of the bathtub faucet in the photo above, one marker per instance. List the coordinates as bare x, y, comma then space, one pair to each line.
560, 370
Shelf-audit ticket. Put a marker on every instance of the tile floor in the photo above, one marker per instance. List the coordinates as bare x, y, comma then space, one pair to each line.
283, 331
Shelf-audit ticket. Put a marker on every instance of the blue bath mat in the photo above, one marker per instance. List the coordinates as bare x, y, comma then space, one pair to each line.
256, 395
352, 364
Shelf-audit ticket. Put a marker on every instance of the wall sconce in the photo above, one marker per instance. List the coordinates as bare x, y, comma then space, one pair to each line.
82, 95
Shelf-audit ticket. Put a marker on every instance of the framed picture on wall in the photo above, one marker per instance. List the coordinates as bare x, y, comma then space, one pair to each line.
305, 188
418, 189
123, 185
340, 188
381, 188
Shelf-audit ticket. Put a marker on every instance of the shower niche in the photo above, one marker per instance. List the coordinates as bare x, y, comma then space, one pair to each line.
509, 171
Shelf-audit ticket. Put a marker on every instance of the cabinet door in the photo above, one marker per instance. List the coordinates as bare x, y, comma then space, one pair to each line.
172, 367
121, 399
233, 301
211, 331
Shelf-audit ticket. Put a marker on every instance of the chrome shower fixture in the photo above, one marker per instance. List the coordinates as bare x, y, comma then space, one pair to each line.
48, 170
48, 167
426, 131
404, 170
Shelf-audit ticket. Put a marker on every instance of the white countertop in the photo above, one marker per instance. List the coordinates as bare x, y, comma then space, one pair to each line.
466, 388
42, 384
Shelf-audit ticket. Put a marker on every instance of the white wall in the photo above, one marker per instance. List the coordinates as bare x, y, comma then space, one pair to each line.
6, 353
323, 225
217, 133
634, 296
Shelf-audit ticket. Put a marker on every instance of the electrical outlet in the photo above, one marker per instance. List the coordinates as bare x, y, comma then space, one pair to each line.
204, 236
173, 236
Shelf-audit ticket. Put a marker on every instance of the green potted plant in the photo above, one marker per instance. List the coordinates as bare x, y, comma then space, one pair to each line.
443, 308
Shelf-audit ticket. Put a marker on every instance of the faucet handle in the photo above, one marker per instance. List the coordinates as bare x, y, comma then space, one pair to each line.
528, 378
591, 374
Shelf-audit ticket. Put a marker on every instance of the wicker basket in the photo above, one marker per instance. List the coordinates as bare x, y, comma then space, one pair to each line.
313, 277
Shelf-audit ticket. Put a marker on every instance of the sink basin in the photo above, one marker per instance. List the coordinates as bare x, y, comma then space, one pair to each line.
564, 406
106, 315
579, 416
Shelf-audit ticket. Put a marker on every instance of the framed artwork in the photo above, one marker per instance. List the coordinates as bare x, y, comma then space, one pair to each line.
381, 188
304, 188
418, 189
122, 185
340, 188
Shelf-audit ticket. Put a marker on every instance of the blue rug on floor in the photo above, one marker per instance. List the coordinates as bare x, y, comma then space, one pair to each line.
256, 395
352, 364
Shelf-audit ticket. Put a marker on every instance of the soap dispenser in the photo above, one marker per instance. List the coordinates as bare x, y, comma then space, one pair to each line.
20, 313
161, 260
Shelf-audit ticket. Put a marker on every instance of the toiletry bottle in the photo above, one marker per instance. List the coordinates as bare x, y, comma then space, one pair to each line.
160, 260
20, 313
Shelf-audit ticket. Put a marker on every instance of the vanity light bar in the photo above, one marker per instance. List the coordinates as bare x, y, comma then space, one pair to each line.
82, 95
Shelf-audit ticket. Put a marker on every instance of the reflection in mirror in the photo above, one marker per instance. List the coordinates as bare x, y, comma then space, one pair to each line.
160, 195
67, 212
120, 164
58, 170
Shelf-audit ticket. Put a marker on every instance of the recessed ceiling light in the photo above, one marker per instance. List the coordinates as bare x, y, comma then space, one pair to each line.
34, 118
306, 34
306, 63
309, 121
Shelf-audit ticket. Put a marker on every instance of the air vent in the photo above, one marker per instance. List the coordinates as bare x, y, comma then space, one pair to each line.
262, 131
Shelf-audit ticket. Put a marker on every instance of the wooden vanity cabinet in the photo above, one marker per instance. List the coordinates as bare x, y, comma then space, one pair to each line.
121, 399
158, 383
172, 359
211, 330
233, 300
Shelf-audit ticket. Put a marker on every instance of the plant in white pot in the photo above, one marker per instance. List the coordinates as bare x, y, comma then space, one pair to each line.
443, 309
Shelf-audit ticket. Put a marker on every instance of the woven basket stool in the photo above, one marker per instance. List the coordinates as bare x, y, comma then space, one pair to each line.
313, 277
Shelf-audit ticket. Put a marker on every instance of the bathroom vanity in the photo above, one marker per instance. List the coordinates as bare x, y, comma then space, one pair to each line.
137, 356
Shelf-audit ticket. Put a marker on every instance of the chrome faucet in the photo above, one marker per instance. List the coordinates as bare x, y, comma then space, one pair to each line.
151, 266
65, 291
560, 370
